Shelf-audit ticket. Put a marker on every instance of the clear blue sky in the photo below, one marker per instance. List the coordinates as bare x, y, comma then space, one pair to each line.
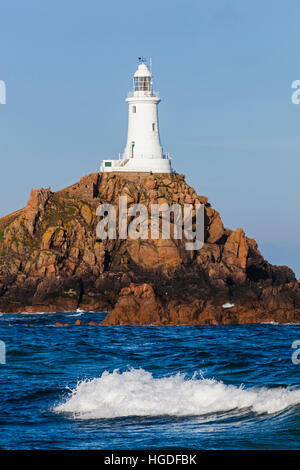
224, 71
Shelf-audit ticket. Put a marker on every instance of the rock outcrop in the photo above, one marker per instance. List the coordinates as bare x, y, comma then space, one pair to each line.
52, 260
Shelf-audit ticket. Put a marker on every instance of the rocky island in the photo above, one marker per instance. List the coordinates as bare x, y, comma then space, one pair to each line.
52, 261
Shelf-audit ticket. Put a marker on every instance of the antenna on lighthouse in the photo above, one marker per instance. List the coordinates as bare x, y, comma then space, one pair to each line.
150, 61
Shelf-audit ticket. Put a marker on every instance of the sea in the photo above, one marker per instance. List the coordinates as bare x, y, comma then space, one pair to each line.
146, 387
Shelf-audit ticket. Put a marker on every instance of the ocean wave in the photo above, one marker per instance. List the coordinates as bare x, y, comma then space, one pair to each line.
137, 393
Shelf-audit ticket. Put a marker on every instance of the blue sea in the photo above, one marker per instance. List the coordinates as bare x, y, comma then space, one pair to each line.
126, 387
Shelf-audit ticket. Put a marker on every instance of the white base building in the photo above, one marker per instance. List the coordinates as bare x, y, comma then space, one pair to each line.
143, 151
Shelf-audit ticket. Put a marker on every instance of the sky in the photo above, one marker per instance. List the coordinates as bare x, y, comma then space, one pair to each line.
224, 71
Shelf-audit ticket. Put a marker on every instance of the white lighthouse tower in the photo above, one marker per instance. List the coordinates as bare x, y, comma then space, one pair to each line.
143, 151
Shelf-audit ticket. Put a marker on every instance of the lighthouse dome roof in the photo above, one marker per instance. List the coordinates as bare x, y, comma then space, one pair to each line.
142, 71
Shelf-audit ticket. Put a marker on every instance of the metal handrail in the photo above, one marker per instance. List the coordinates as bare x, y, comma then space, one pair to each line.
141, 93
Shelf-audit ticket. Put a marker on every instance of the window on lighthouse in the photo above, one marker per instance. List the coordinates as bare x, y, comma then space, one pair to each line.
142, 84
134, 109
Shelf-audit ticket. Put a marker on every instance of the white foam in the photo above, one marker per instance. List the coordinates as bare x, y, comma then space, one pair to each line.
137, 393
86, 311
35, 313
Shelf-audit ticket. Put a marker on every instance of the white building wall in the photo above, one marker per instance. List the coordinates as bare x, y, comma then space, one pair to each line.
143, 128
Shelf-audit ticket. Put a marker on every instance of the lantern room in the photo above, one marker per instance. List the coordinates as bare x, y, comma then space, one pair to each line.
142, 79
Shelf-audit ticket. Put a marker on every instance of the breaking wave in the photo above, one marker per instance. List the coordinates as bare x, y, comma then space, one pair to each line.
137, 393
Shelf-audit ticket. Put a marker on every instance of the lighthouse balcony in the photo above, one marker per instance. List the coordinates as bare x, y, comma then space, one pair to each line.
143, 94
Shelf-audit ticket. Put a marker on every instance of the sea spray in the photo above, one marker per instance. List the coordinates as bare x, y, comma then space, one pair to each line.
137, 393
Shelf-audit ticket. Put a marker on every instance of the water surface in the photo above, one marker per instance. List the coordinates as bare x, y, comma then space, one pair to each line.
92, 387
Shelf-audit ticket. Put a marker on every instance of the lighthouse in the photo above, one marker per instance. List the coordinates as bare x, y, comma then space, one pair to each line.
143, 151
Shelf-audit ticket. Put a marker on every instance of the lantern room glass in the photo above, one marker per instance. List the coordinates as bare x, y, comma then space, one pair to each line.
142, 84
